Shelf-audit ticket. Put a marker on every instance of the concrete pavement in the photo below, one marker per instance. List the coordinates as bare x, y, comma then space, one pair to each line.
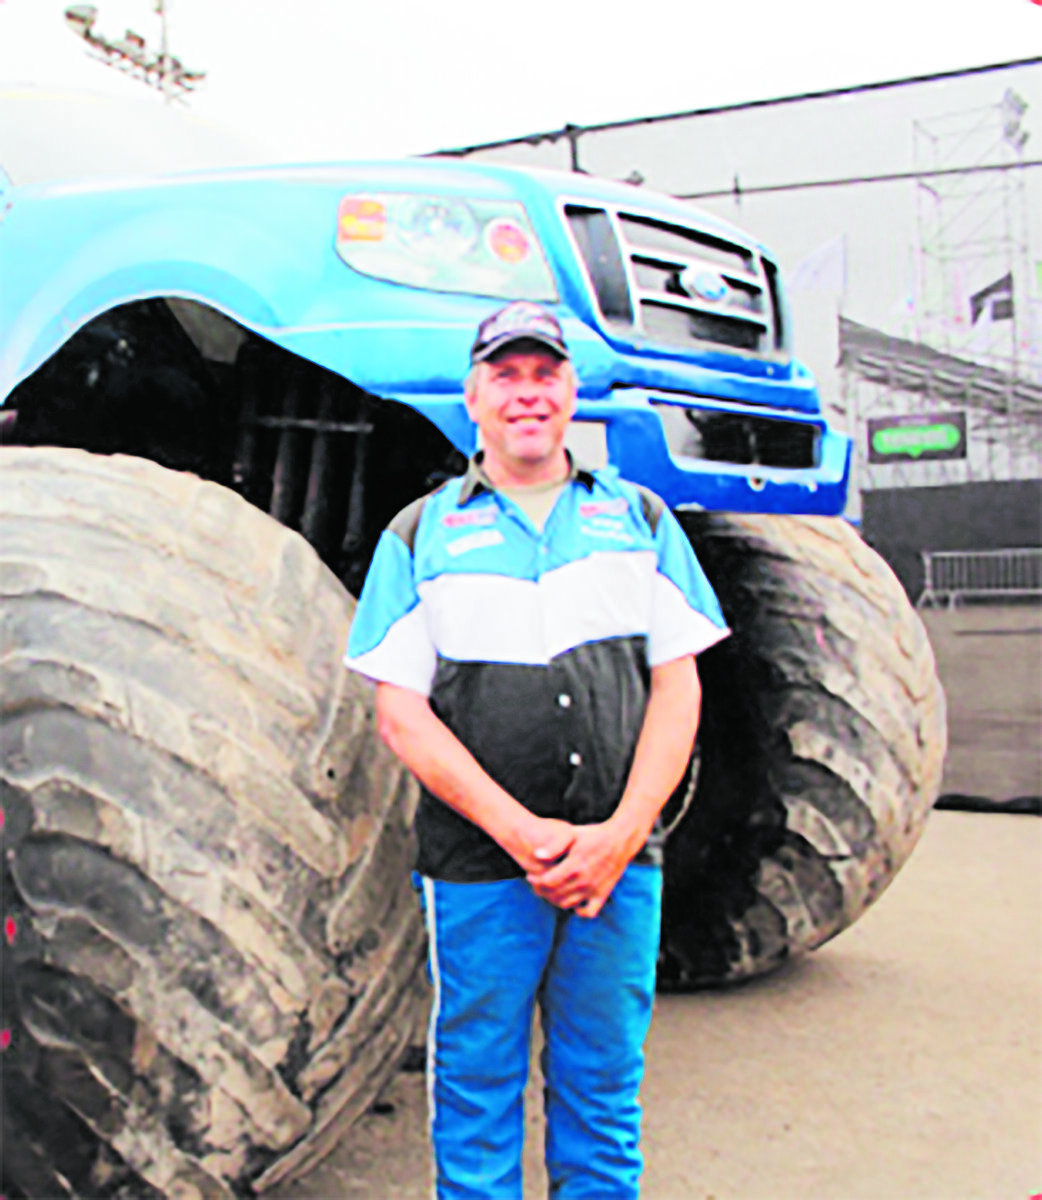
903, 1061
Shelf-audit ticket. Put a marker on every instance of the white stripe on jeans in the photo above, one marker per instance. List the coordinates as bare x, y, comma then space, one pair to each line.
428, 898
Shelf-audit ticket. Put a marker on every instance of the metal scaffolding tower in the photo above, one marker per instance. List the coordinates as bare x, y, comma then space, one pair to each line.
974, 281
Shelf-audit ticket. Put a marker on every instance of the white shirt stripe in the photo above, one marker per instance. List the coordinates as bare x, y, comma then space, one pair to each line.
496, 618
677, 629
405, 657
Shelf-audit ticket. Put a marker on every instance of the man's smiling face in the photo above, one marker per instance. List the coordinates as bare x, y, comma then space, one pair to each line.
522, 401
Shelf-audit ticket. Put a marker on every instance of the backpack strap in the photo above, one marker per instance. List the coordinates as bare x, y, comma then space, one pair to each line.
407, 522
651, 505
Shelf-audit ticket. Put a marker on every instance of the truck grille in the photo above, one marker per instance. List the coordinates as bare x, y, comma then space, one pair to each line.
679, 285
738, 438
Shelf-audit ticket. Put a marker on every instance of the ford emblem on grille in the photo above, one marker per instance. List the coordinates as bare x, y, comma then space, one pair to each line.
706, 285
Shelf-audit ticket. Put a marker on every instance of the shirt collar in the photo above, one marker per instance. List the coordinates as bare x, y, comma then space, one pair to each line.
475, 481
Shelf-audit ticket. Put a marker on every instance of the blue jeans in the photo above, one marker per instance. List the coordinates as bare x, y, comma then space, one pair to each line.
496, 949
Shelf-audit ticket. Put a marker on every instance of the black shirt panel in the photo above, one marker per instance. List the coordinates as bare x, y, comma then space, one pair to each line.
559, 738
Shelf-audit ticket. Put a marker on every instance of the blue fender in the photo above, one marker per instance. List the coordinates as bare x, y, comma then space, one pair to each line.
258, 245
238, 269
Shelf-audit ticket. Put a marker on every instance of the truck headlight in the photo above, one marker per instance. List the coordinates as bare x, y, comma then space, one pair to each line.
444, 243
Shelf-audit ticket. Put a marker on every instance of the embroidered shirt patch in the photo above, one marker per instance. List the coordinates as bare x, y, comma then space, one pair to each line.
605, 508
474, 541
471, 516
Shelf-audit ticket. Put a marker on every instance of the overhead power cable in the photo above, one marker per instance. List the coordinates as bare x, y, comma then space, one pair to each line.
571, 132
737, 189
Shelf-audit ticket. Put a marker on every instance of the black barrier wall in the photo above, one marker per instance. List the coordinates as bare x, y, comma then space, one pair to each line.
899, 523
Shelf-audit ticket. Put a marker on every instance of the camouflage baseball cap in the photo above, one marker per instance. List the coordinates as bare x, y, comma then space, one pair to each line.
520, 321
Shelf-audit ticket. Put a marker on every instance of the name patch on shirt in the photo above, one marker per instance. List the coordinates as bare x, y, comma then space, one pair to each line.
606, 527
474, 516
603, 508
474, 541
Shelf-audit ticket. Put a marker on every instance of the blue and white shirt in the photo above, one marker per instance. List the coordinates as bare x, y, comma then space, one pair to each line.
533, 647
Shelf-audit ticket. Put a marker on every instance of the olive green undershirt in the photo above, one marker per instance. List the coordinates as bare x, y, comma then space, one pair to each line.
536, 500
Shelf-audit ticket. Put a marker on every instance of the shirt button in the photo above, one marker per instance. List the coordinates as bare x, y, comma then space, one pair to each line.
564, 700
575, 758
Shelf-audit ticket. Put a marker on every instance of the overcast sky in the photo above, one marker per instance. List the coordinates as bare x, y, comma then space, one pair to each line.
335, 78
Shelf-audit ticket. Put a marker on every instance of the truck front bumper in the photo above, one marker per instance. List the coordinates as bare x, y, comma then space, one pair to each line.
626, 430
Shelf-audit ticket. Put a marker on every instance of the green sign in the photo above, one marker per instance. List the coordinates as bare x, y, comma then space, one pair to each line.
917, 437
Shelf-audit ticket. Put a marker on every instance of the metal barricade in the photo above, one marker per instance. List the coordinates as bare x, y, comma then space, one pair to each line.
952, 575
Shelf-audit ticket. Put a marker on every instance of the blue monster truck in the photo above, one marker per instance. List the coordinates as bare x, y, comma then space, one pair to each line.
217, 388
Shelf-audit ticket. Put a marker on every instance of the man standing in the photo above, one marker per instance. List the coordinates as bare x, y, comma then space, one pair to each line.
532, 628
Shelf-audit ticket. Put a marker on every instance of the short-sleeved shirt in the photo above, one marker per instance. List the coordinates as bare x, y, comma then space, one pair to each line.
533, 647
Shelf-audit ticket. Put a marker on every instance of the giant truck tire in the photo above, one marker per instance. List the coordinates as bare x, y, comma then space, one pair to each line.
210, 950
820, 751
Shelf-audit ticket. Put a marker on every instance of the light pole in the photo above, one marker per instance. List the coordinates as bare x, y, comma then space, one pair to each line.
164, 58
131, 55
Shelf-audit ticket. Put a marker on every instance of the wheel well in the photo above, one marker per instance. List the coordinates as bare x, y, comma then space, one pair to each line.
181, 384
